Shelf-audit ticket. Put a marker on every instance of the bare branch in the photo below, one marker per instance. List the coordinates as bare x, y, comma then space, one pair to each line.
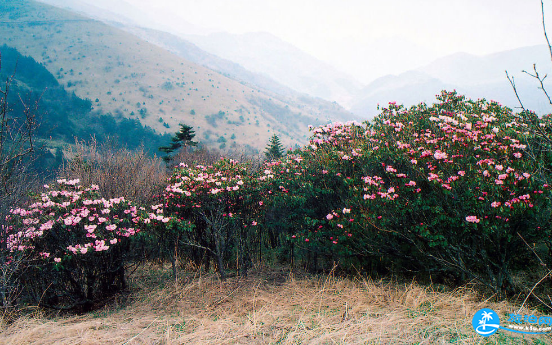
544, 29
541, 81
540, 281
512, 82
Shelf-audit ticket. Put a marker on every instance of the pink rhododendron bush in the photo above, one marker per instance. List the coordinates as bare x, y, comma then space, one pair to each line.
454, 190
457, 190
218, 208
451, 190
75, 242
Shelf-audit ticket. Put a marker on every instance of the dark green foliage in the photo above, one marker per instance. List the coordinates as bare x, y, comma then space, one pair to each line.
183, 138
274, 150
62, 115
212, 119
26, 69
167, 86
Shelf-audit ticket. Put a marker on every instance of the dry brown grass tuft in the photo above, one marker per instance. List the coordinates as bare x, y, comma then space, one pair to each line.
118, 172
271, 308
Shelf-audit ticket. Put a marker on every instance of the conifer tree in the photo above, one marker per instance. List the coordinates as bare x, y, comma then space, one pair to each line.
183, 138
274, 150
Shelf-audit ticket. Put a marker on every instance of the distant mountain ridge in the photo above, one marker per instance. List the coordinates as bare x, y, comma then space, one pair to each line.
265, 53
191, 52
259, 52
128, 77
264, 61
473, 76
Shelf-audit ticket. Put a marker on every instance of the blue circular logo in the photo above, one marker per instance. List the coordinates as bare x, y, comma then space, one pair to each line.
486, 322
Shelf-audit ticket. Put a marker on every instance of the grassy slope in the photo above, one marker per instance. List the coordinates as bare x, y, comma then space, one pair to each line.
120, 70
272, 307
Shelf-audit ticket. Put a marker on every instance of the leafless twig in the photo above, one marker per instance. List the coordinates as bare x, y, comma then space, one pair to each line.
540, 281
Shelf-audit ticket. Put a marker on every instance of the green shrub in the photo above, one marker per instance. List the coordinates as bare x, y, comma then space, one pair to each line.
77, 245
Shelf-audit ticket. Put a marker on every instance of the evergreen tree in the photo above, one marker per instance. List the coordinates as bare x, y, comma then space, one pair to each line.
183, 138
274, 150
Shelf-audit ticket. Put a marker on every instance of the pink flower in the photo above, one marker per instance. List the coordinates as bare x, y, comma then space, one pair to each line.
440, 155
517, 155
502, 176
113, 241
346, 210
57, 259
90, 228
495, 204
472, 219
432, 177
329, 216
254, 223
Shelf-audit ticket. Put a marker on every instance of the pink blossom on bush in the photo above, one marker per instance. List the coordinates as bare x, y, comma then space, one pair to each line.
472, 219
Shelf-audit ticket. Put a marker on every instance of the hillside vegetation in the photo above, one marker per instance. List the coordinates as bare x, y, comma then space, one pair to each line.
61, 116
454, 194
313, 244
128, 77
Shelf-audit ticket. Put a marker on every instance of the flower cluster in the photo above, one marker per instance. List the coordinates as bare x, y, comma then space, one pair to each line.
68, 220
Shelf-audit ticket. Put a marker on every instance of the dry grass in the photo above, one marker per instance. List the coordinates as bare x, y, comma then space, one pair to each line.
118, 172
271, 307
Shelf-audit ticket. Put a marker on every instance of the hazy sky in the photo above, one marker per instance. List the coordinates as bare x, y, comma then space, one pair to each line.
361, 36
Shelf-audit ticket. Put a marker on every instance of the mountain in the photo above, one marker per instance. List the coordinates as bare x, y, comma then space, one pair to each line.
407, 88
261, 53
118, 11
62, 117
131, 78
473, 76
193, 53
466, 69
265, 53
123, 13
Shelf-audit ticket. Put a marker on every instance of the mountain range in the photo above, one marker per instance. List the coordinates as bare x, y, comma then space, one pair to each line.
265, 60
128, 77
473, 76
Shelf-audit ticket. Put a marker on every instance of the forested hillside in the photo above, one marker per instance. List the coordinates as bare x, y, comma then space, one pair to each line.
129, 78
61, 116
